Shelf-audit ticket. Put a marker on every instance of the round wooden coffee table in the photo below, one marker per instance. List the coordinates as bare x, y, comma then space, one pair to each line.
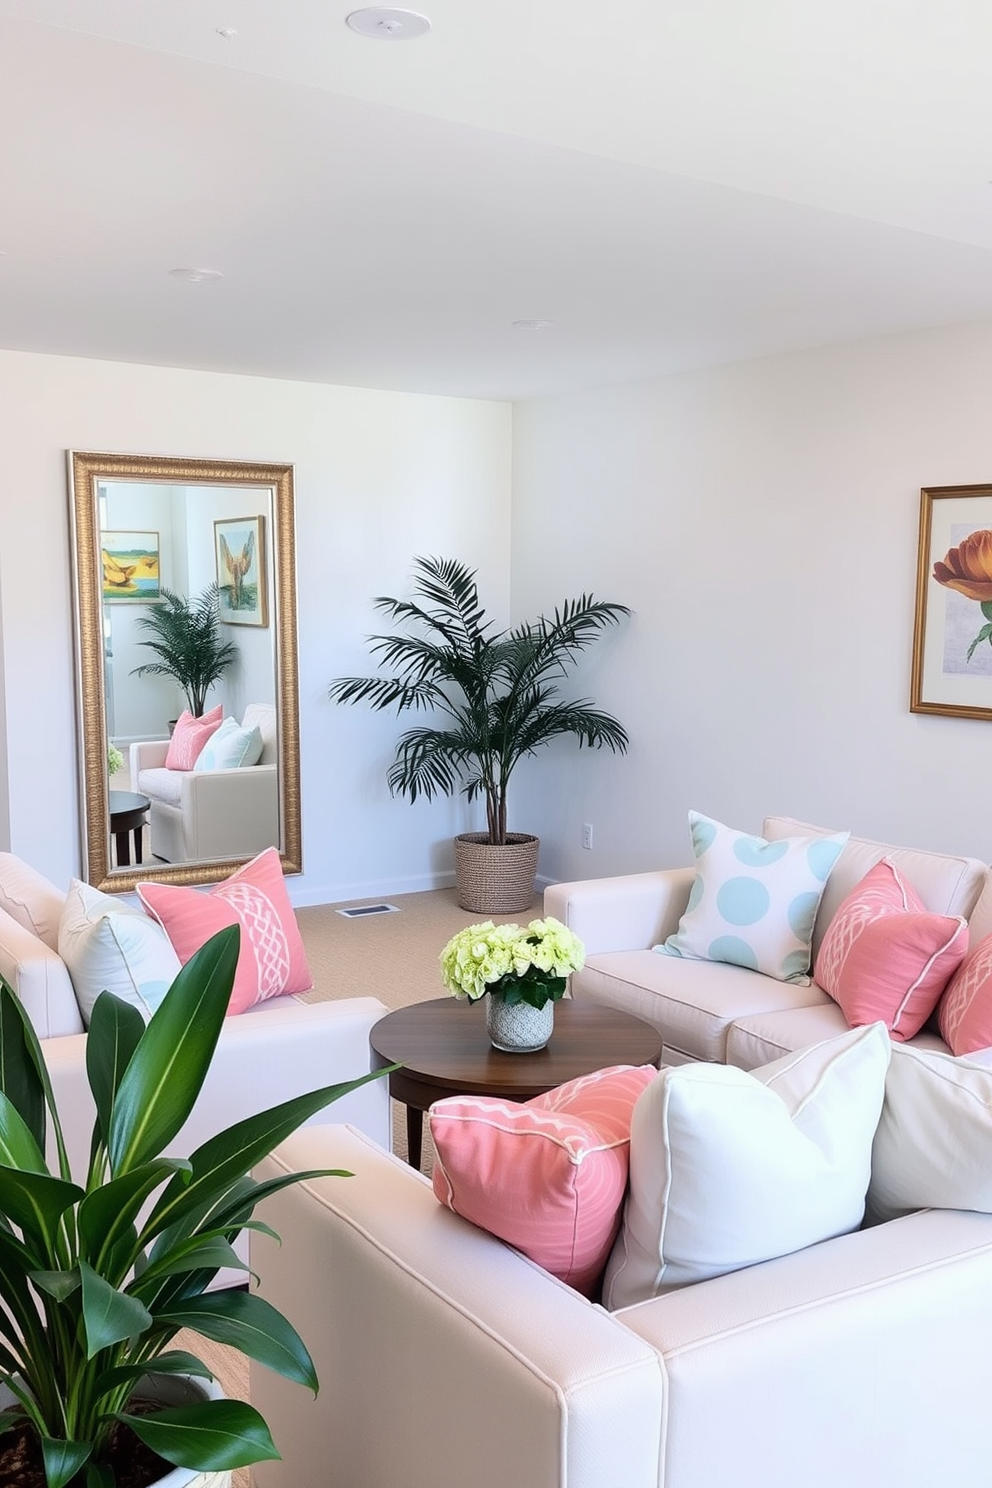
444, 1049
128, 811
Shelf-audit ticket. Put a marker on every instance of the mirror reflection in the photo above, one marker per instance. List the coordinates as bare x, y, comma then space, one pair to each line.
187, 666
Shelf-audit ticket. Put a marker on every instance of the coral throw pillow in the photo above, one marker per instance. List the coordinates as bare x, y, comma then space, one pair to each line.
965, 1012
547, 1175
272, 959
189, 736
885, 957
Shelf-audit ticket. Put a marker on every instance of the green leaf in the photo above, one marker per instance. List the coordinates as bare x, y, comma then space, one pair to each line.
983, 635
19, 1147
114, 1033
18, 1078
36, 1202
225, 1158
176, 1361
212, 1252
107, 1213
166, 1071
210, 1437
100, 1475
986, 608
250, 1324
57, 1284
109, 1316
63, 1459
33, 1056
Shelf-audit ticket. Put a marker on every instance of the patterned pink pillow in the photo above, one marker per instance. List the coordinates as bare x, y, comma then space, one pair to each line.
965, 1013
547, 1175
272, 959
885, 957
189, 736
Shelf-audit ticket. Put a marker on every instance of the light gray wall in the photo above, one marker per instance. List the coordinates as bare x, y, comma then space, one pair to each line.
380, 477
762, 521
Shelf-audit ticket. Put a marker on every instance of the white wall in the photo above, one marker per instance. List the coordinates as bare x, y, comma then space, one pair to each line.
380, 478
762, 522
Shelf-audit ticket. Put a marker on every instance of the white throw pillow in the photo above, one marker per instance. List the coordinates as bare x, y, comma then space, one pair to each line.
729, 1167
933, 1147
753, 903
114, 947
230, 747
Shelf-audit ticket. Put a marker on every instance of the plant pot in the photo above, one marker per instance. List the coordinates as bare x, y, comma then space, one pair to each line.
518, 1027
170, 1389
494, 879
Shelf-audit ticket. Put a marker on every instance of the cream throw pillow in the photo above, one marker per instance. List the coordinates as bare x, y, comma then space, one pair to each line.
113, 947
933, 1147
728, 1168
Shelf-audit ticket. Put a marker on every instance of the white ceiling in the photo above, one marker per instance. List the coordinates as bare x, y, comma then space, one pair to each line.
672, 183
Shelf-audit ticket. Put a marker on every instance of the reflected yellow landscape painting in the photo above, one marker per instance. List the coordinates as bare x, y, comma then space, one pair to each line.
130, 566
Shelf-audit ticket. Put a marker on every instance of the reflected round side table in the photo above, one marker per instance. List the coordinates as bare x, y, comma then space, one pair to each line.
128, 813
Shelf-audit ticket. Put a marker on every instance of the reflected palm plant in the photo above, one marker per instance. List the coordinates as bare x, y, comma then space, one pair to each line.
185, 636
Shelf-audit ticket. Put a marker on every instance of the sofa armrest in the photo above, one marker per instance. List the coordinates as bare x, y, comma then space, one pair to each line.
630, 912
148, 754
230, 813
490, 1372
863, 1360
40, 980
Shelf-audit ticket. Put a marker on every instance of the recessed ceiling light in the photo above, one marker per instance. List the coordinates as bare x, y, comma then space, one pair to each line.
388, 25
533, 325
196, 276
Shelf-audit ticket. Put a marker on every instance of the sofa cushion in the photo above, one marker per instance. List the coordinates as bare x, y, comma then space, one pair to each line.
934, 1137
111, 946
965, 1011
886, 957
272, 959
729, 1168
160, 784
230, 747
945, 883
693, 1002
753, 902
547, 1175
762, 1037
30, 899
189, 736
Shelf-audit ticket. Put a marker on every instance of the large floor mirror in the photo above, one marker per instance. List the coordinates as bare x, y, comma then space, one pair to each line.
156, 537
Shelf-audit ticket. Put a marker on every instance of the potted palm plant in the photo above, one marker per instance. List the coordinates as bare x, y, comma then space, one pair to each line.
99, 1272
496, 694
184, 633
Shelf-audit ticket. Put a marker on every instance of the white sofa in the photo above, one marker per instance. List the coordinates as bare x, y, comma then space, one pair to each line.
276, 1050
201, 815
446, 1358
713, 1011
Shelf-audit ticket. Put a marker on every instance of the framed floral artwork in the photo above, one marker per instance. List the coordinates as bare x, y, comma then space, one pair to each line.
952, 640
240, 550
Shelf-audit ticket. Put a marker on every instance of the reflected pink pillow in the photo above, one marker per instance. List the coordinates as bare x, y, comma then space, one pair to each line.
547, 1175
189, 736
272, 959
965, 1013
885, 957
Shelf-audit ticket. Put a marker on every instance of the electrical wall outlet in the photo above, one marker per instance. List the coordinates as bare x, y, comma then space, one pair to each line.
587, 834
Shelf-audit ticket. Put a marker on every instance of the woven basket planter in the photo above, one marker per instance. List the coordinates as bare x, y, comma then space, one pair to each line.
495, 880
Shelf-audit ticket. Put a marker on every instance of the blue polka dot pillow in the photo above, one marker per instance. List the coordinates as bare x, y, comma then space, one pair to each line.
753, 902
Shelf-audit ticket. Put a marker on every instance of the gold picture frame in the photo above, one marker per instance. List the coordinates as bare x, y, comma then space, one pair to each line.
952, 637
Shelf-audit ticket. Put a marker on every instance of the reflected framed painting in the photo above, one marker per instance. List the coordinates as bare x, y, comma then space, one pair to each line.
130, 567
952, 638
240, 550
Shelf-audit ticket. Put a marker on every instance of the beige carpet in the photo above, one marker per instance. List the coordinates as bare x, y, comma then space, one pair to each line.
390, 956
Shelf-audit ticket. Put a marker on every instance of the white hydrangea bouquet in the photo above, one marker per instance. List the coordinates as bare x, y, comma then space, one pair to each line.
524, 963
115, 760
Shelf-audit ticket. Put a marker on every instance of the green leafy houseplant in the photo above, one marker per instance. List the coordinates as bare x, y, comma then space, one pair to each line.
185, 635
94, 1284
496, 692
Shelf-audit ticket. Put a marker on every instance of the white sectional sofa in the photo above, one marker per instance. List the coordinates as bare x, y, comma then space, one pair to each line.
276, 1050
713, 1011
447, 1358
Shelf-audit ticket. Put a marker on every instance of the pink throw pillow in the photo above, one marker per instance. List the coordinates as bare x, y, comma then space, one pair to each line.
965, 1013
547, 1175
272, 959
885, 957
189, 736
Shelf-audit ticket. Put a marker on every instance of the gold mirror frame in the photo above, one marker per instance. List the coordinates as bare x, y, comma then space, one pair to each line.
85, 472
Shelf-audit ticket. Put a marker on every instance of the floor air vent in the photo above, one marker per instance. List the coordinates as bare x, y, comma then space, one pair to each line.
359, 911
